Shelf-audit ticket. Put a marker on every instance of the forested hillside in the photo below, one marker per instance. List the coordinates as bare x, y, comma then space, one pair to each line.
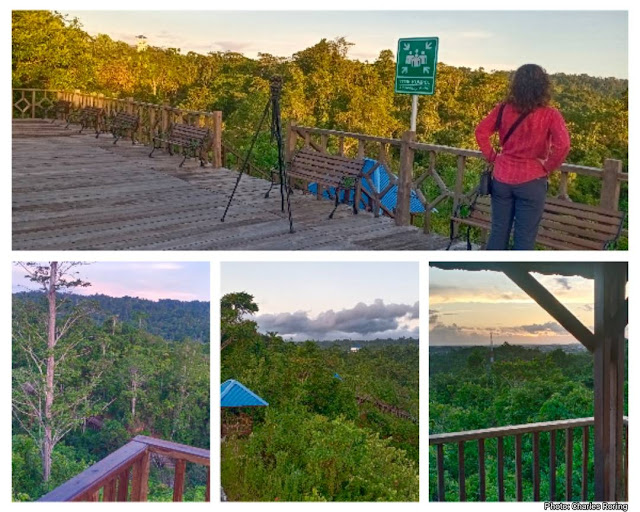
113, 380
340, 426
173, 320
322, 87
523, 385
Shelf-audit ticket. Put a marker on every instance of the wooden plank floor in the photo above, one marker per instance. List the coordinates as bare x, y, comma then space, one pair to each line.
76, 192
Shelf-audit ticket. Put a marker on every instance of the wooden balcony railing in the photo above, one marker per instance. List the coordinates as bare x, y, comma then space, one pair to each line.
415, 163
533, 431
124, 474
40, 103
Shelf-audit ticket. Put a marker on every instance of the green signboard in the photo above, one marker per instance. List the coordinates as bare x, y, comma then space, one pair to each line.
416, 65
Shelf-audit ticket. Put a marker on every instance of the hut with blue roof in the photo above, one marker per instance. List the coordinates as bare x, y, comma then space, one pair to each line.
233, 397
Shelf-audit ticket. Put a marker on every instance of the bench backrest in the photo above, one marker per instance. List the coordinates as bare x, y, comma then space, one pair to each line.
568, 225
125, 120
186, 133
323, 168
62, 106
91, 111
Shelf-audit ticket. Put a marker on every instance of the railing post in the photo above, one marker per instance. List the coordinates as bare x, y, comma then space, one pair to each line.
140, 479
33, 104
217, 139
608, 379
610, 192
165, 117
178, 481
457, 191
405, 180
290, 146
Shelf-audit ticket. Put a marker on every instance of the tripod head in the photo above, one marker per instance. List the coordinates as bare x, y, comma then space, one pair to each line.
276, 87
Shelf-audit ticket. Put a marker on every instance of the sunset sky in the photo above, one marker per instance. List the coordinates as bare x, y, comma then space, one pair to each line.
147, 280
324, 301
592, 42
466, 307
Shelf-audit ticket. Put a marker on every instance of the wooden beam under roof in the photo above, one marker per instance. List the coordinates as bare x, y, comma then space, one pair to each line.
563, 268
551, 305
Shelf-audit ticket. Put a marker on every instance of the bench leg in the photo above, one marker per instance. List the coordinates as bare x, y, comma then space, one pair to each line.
154, 148
335, 207
186, 155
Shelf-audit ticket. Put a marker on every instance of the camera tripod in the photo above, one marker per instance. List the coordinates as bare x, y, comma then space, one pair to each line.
273, 106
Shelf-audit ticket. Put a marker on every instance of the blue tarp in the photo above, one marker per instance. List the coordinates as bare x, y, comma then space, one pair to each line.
234, 394
380, 178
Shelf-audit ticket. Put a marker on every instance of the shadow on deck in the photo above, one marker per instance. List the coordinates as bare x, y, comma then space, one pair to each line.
76, 192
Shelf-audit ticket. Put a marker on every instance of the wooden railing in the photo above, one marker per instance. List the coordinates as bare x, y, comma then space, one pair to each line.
415, 162
154, 118
124, 474
461, 440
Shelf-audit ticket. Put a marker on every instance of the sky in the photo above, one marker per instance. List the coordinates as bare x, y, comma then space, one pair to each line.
184, 281
326, 301
592, 42
466, 307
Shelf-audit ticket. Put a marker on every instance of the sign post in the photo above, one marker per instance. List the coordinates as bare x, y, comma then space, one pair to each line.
416, 69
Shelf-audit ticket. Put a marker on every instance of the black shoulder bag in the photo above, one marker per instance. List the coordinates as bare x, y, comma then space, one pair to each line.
484, 188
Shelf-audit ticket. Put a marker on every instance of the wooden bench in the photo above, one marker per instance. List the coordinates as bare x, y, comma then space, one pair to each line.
87, 116
123, 123
330, 171
190, 138
565, 225
61, 108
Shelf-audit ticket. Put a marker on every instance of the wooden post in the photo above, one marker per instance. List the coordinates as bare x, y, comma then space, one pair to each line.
610, 192
457, 191
33, 104
405, 180
140, 480
608, 370
217, 140
290, 145
178, 481
165, 117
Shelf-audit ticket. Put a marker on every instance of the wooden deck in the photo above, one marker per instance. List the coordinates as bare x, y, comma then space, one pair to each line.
76, 192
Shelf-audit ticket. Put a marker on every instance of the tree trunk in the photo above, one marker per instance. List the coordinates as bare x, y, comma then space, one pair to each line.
47, 444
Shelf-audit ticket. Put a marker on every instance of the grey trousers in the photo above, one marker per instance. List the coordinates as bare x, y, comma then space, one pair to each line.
518, 206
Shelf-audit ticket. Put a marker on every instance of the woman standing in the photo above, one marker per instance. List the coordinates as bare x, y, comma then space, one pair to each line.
537, 145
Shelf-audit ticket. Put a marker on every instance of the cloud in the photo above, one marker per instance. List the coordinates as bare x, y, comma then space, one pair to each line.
473, 292
363, 320
433, 316
454, 334
554, 327
232, 46
564, 283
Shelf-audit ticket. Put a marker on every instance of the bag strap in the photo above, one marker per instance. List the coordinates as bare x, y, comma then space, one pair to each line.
499, 119
513, 127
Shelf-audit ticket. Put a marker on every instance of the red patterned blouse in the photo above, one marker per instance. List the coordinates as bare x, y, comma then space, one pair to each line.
536, 148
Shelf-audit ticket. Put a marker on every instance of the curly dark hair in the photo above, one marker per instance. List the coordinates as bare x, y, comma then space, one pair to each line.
530, 88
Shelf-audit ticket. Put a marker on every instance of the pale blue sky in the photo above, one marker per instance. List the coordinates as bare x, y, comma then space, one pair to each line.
592, 42
147, 280
316, 300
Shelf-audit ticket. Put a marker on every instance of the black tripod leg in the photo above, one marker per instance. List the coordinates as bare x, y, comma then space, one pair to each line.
246, 159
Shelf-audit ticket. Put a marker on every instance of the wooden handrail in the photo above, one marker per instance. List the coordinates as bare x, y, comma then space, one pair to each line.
39, 103
111, 474
610, 174
518, 431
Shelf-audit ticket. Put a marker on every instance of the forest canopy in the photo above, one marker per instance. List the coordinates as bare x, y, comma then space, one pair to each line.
337, 428
98, 378
323, 87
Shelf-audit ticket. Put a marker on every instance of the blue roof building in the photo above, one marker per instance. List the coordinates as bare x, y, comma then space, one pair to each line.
234, 394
